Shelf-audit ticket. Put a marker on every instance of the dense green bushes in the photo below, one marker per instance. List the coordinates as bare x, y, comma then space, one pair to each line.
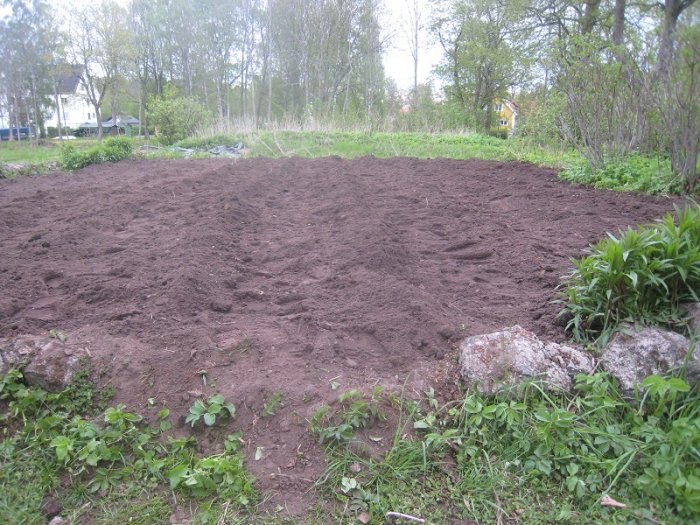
645, 275
632, 173
113, 149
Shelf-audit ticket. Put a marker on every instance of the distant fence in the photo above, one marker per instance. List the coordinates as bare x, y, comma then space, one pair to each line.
17, 133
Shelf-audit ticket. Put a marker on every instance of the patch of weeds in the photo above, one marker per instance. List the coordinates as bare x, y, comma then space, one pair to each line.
539, 458
272, 404
209, 410
58, 443
633, 173
354, 412
245, 345
643, 274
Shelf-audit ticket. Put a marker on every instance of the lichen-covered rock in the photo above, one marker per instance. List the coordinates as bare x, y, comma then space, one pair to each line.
54, 366
45, 362
492, 362
633, 354
18, 351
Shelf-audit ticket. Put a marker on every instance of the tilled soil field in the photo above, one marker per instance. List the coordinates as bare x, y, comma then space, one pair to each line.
290, 276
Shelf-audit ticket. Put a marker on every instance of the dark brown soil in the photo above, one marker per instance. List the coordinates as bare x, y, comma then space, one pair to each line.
288, 275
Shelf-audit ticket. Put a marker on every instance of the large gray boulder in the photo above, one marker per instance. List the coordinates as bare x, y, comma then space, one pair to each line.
47, 363
635, 353
505, 359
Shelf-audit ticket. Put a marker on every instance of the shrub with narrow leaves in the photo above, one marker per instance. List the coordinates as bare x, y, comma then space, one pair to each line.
644, 274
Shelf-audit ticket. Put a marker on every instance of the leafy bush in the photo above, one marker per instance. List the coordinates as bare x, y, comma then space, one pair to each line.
499, 132
643, 275
176, 118
633, 173
112, 149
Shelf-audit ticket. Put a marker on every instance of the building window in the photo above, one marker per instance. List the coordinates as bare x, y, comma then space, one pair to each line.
498, 107
64, 101
503, 122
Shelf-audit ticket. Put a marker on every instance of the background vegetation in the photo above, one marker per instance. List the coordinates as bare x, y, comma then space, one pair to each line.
609, 78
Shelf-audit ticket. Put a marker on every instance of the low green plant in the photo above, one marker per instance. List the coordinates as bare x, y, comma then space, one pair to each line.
355, 412
113, 149
57, 442
272, 404
644, 275
209, 410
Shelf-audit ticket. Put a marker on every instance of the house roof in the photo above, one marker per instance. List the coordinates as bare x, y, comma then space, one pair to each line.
69, 83
512, 105
122, 120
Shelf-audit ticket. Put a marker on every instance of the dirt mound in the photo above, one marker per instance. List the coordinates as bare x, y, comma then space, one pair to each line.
287, 275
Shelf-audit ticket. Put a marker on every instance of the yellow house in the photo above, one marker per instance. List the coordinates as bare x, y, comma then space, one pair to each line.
508, 113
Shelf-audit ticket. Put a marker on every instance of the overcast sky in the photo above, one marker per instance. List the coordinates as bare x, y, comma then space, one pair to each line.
398, 63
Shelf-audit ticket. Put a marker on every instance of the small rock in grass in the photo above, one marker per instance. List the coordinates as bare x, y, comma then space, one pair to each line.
51, 507
58, 520
54, 366
46, 362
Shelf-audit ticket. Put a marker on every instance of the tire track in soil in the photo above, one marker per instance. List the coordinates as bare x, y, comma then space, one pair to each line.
286, 274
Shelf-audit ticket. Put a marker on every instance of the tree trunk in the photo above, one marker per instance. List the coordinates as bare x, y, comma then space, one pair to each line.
590, 16
113, 105
58, 111
619, 22
672, 11
98, 116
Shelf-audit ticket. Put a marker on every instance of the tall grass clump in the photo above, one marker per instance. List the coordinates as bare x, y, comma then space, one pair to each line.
644, 275
112, 149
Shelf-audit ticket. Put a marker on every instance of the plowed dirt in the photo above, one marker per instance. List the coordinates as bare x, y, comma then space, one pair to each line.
290, 275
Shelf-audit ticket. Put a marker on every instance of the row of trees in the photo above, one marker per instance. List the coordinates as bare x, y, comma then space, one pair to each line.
607, 76
258, 59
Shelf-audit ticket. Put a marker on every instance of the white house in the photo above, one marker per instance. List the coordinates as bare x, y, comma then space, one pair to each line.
72, 104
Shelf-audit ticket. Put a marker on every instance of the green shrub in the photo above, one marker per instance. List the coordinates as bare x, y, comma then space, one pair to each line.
112, 149
645, 275
176, 118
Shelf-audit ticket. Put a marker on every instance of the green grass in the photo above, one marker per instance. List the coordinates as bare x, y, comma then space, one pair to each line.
383, 145
536, 456
635, 173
